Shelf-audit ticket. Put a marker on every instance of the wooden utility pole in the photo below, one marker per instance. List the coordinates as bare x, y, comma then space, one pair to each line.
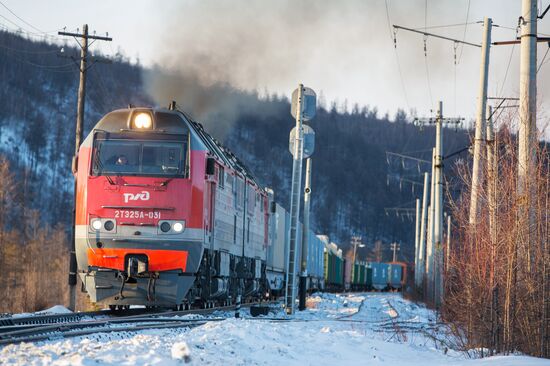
480, 121
83, 67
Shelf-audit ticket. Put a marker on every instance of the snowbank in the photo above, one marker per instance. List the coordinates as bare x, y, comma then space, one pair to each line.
335, 330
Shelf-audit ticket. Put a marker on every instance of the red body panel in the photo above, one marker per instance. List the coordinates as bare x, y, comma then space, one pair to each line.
159, 260
179, 199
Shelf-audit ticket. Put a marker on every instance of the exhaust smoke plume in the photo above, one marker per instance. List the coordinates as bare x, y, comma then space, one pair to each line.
344, 49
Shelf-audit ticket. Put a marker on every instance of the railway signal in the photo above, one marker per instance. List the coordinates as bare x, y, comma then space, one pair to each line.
302, 109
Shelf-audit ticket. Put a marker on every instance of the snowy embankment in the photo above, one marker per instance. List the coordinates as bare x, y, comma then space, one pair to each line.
365, 329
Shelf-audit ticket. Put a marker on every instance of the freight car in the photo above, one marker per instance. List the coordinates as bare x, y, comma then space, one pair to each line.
379, 275
397, 276
333, 265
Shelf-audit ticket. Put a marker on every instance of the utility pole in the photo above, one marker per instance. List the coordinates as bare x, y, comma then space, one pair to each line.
305, 236
527, 122
356, 242
417, 237
448, 249
395, 247
419, 276
492, 203
480, 121
436, 242
430, 236
78, 140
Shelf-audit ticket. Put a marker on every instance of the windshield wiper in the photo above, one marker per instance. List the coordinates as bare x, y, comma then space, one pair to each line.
98, 167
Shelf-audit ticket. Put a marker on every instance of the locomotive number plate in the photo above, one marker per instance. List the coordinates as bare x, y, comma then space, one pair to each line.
136, 214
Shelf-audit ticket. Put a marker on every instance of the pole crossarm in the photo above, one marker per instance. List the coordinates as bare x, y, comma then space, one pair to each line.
408, 157
427, 34
70, 34
434, 120
400, 210
518, 41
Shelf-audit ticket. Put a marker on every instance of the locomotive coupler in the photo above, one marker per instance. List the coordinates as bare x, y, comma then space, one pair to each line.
136, 264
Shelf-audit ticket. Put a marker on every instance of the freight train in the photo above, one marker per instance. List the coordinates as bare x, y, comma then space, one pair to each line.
167, 216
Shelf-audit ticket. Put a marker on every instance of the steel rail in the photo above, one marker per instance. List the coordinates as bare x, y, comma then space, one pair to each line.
27, 329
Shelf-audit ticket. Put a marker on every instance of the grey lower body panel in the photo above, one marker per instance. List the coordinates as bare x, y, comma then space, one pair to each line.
168, 289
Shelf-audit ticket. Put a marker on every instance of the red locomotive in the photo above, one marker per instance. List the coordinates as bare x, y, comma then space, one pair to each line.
165, 215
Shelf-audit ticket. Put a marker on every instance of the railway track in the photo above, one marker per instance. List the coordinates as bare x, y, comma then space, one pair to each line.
49, 327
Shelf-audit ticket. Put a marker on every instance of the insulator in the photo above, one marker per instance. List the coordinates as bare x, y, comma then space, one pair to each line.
394, 39
425, 48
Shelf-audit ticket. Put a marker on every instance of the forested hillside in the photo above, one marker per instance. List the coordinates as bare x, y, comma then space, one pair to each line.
353, 181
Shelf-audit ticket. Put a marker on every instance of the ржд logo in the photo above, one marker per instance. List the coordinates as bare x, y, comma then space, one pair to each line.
143, 196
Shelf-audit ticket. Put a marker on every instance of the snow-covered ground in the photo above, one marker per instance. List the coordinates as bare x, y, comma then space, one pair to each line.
358, 329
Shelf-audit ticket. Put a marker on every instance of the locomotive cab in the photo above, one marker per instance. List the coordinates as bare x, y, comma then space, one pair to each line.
139, 227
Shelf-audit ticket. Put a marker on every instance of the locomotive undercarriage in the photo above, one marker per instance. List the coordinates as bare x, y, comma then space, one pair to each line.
223, 277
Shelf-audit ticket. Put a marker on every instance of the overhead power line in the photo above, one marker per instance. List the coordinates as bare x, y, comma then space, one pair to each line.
18, 17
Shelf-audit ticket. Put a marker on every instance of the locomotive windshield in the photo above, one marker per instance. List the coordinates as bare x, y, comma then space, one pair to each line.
163, 158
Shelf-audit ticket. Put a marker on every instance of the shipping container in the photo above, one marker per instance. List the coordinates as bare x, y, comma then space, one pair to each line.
379, 275
395, 276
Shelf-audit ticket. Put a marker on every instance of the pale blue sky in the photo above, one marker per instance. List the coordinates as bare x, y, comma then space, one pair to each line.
343, 48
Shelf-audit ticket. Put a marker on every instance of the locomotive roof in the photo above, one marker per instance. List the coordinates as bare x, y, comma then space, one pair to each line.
220, 151
170, 121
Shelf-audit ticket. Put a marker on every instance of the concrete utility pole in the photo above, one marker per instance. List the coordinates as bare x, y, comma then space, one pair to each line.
395, 247
419, 275
305, 236
491, 179
448, 250
78, 140
480, 120
430, 235
356, 242
434, 251
417, 236
527, 120
438, 208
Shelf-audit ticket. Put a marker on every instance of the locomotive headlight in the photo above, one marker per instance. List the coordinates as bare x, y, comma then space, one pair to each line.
109, 225
178, 227
165, 227
143, 121
96, 224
